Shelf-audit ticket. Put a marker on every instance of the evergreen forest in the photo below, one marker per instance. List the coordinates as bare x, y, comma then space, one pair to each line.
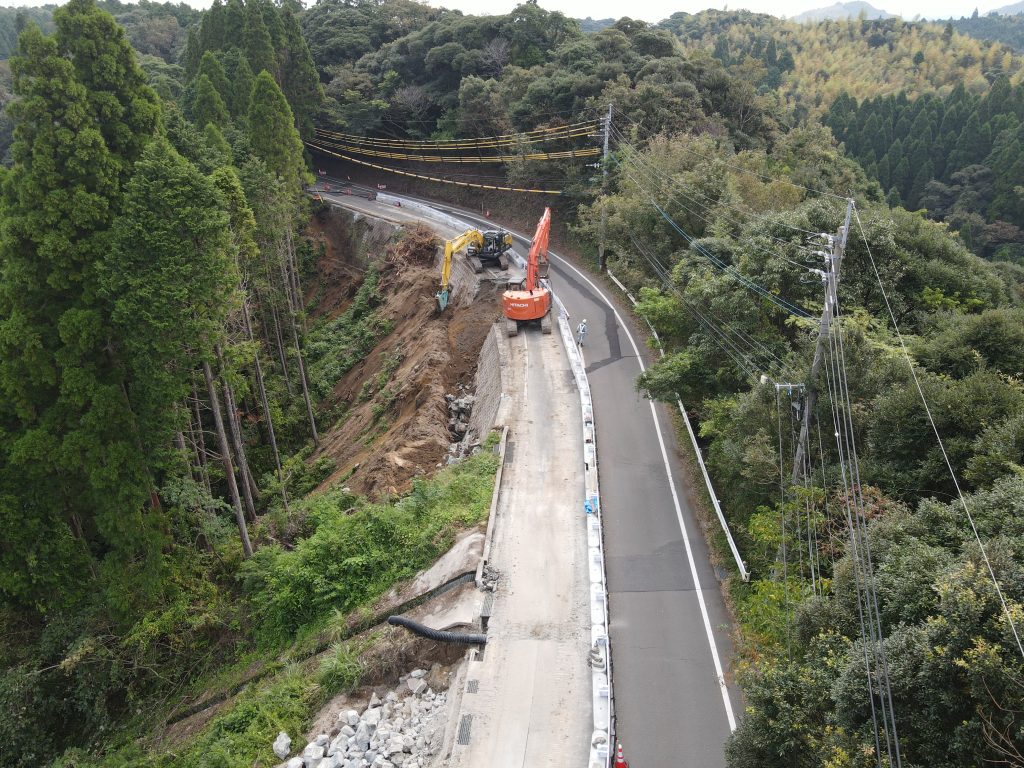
168, 534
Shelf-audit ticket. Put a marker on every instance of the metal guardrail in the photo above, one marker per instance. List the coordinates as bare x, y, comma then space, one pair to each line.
740, 565
600, 643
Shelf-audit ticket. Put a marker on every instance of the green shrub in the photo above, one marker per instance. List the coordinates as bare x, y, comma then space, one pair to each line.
333, 347
353, 557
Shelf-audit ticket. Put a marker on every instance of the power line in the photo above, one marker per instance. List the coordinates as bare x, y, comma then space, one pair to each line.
938, 437
727, 268
317, 148
568, 154
560, 133
715, 326
713, 202
717, 336
711, 223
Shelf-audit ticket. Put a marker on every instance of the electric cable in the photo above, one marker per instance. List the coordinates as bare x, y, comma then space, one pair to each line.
559, 133
317, 148
719, 202
938, 437
719, 337
726, 268
456, 159
756, 348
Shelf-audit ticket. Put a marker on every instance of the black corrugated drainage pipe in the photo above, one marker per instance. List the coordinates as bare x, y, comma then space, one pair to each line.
436, 634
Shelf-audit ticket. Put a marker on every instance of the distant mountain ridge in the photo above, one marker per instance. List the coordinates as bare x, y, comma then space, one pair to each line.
1009, 10
851, 9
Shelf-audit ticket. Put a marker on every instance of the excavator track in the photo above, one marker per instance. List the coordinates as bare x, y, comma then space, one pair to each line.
511, 327
545, 324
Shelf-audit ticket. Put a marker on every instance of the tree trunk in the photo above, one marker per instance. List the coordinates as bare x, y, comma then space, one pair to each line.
236, 440
293, 267
305, 384
298, 352
266, 408
200, 444
269, 303
225, 451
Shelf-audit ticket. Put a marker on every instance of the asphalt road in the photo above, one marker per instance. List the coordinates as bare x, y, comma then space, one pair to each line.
675, 701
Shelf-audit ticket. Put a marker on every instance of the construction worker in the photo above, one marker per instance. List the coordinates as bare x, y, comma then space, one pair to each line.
581, 332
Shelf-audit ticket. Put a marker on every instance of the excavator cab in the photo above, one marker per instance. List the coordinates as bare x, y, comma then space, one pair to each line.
496, 243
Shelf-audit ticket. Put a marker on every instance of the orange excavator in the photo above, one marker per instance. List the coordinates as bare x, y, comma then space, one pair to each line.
529, 301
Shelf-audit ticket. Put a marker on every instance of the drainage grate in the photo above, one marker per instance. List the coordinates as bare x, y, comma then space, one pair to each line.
464, 726
480, 653
473, 686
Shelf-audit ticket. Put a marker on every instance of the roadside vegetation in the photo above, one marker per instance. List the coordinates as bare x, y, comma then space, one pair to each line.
289, 604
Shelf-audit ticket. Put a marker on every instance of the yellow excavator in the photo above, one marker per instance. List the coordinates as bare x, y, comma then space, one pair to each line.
481, 247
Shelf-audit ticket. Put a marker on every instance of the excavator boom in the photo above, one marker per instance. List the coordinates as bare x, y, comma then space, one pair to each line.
538, 250
470, 237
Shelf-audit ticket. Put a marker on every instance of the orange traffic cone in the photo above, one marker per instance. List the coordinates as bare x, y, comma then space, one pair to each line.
620, 761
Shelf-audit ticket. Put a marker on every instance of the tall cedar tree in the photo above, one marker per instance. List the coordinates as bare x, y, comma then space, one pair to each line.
239, 73
208, 106
171, 277
272, 132
76, 489
211, 66
299, 79
259, 47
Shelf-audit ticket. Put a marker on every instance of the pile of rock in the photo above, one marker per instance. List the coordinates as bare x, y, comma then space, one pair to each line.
404, 730
459, 410
464, 440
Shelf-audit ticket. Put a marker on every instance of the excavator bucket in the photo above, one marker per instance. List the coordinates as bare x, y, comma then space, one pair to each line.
442, 299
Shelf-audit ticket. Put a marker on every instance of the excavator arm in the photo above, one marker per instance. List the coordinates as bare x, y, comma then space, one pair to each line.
451, 247
538, 252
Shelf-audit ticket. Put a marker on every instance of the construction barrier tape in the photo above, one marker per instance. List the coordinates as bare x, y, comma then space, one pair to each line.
564, 155
317, 148
540, 134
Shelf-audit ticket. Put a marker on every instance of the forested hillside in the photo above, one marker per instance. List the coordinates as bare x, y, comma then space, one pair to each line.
164, 378
1003, 28
154, 29
958, 157
810, 65
148, 265
475, 76
719, 244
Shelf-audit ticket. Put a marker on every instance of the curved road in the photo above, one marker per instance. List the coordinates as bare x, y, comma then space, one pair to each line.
675, 701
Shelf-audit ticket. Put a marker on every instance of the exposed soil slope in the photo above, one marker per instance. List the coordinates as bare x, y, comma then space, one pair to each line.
395, 425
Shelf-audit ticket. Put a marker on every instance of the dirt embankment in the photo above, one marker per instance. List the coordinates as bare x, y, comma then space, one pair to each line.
394, 425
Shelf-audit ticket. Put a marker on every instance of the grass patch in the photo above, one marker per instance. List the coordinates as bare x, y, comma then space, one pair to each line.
354, 556
334, 346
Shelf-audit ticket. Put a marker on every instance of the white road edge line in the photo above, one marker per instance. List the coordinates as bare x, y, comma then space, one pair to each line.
675, 501
671, 481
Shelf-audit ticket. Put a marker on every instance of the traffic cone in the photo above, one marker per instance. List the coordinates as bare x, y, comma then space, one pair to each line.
620, 761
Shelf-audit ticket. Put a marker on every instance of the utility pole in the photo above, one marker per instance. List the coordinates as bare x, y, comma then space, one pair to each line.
830, 279
602, 264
